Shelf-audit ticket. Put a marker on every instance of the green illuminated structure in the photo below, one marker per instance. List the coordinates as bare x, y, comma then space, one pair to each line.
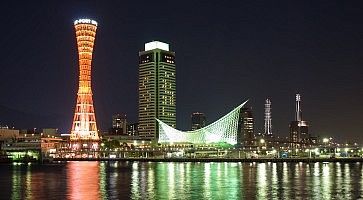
222, 130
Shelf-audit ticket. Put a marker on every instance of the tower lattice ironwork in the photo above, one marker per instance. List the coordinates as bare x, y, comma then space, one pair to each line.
84, 126
268, 118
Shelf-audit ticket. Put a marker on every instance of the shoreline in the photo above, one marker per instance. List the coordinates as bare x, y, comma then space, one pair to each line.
195, 160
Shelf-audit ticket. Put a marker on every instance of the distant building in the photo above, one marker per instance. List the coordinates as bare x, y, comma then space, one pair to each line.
29, 131
48, 132
198, 120
4, 126
299, 129
132, 129
246, 135
268, 119
8, 134
157, 88
119, 124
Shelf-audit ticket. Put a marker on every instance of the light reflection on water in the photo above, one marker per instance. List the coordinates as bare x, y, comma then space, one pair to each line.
138, 180
81, 179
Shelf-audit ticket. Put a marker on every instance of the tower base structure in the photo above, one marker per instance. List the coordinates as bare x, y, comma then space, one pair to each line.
84, 148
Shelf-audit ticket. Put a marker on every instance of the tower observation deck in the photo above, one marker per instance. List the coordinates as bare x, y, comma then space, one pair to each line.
84, 126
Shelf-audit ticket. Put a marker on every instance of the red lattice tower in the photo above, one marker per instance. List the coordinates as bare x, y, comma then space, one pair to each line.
84, 126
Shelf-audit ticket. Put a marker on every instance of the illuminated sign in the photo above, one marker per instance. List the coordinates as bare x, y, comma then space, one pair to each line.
85, 21
156, 45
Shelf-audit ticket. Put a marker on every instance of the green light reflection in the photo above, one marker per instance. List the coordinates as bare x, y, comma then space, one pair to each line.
347, 185
16, 183
103, 180
261, 192
151, 181
135, 193
171, 180
141, 180
285, 179
207, 181
28, 189
326, 181
274, 181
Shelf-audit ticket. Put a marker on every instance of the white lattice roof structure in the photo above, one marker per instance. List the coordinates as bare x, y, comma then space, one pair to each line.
222, 130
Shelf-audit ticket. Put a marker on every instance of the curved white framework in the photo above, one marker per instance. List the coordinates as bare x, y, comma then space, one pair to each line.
222, 130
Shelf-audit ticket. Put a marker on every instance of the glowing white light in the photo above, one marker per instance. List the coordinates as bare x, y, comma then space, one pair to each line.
213, 138
298, 97
156, 45
85, 21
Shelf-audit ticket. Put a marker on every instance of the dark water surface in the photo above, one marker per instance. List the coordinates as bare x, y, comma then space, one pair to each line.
138, 180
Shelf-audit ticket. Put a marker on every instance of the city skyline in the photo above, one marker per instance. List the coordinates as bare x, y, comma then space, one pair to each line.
262, 57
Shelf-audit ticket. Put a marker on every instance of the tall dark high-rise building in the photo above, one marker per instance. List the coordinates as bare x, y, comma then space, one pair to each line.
119, 124
299, 129
198, 120
157, 88
246, 135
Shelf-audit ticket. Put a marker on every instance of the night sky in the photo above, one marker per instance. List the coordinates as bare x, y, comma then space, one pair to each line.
226, 52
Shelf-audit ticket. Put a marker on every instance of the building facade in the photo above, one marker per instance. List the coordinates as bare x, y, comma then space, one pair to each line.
299, 129
246, 134
157, 88
198, 120
50, 132
8, 134
119, 124
133, 129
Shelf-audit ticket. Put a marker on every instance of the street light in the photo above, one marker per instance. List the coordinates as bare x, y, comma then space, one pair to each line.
262, 141
317, 151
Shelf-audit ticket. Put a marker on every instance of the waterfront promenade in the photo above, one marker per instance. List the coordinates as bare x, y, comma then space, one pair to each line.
247, 160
